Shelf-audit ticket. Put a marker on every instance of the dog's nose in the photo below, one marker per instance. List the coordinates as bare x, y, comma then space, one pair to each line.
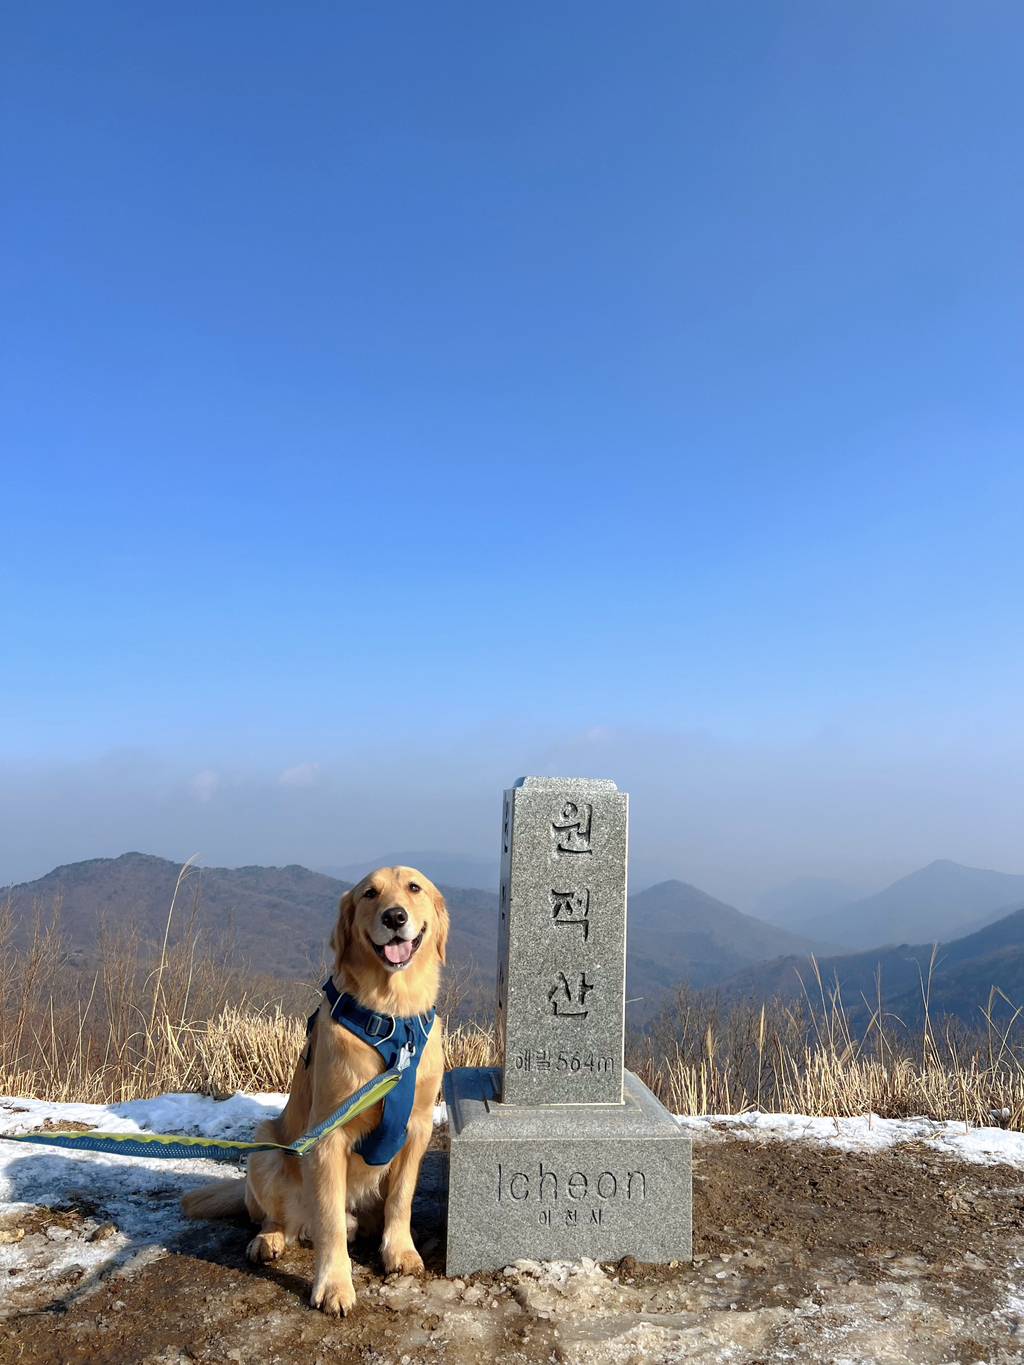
394, 917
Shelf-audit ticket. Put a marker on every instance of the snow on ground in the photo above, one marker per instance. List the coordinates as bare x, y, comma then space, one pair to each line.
932, 1255
869, 1133
237, 1117
194, 1115
140, 1195
34, 1175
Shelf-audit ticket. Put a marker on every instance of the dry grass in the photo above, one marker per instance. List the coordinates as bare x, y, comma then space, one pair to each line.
186, 1019
133, 1026
133, 1023
809, 1059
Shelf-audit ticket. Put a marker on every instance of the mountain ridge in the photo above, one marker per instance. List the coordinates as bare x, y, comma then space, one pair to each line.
282, 917
958, 974
940, 901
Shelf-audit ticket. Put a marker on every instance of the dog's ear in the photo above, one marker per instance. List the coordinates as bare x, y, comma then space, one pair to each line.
441, 924
343, 929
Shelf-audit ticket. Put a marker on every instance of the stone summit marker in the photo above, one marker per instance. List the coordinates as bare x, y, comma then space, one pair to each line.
561, 1152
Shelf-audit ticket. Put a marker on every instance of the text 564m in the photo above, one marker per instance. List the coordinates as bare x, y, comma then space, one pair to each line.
547, 1059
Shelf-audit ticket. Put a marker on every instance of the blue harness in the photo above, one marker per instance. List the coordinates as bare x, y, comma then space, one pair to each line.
400, 1042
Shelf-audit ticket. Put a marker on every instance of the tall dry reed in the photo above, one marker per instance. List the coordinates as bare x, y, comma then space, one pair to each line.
186, 1017
807, 1058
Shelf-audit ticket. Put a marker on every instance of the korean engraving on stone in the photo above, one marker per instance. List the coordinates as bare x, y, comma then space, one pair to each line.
569, 994
572, 827
572, 907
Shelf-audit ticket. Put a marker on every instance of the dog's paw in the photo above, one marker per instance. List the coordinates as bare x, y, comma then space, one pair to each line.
265, 1246
399, 1261
334, 1296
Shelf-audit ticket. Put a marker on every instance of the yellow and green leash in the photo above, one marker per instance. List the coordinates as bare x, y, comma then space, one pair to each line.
180, 1147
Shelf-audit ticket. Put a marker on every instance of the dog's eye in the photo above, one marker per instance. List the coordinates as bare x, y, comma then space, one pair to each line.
371, 893
415, 886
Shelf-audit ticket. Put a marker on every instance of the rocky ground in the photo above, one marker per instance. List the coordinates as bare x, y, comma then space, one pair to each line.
802, 1253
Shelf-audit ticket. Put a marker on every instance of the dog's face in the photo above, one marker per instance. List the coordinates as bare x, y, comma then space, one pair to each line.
391, 918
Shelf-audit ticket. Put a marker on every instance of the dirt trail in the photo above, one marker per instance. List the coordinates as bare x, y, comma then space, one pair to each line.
802, 1253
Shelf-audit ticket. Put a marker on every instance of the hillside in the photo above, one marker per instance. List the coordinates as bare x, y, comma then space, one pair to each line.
939, 902
965, 971
968, 968
280, 917
678, 933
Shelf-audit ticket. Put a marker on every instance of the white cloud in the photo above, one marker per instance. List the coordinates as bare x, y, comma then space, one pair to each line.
205, 784
302, 775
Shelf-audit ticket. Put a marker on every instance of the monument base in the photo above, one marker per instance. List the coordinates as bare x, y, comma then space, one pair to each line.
557, 1182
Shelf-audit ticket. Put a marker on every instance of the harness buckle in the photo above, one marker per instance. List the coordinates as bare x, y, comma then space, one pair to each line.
379, 1025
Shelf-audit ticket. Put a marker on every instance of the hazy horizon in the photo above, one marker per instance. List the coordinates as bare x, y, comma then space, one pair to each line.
742, 823
768, 904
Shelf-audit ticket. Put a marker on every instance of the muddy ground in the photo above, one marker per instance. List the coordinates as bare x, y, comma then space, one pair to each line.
802, 1253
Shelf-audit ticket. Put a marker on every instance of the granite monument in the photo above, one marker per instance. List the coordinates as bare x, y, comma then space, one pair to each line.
560, 1152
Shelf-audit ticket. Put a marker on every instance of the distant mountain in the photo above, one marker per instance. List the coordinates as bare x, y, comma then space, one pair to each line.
277, 914
679, 934
965, 971
937, 903
802, 906
280, 917
444, 869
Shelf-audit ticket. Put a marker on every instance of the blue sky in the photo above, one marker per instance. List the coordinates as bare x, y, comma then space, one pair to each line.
403, 398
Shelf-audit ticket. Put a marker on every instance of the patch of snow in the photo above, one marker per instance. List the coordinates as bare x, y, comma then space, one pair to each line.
193, 1115
1013, 1308
868, 1133
555, 1273
138, 1195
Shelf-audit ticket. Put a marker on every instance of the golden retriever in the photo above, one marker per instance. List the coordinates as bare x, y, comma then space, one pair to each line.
389, 945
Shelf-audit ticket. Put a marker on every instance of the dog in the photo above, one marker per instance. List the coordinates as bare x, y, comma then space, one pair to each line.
389, 946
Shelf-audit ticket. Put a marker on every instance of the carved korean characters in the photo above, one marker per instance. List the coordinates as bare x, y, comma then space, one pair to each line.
571, 827
561, 975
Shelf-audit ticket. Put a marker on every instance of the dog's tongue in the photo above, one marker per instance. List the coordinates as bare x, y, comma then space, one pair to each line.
401, 951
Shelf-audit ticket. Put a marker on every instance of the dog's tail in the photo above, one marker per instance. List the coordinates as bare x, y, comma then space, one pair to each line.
221, 1199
